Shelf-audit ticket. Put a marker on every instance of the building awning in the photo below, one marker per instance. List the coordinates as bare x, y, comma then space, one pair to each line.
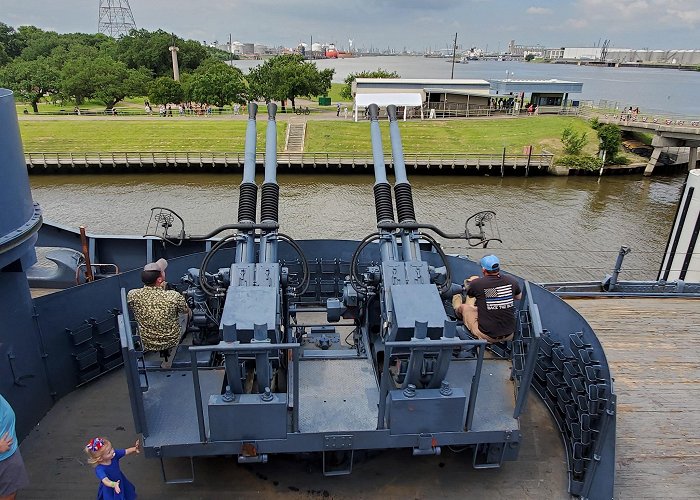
472, 93
383, 99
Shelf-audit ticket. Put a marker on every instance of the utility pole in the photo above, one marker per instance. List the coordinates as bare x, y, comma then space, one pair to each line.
454, 53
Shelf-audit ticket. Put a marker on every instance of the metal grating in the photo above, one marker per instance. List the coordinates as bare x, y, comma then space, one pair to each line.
337, 395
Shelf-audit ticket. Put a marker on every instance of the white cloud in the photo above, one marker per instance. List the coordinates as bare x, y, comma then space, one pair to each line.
688, 17
576, 23
538, 10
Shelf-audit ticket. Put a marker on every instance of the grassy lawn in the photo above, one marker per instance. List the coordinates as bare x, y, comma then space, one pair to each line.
149, 134
334, 94
165, 134
451, 136
48, 107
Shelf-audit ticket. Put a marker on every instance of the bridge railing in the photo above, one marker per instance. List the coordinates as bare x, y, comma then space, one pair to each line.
644, 120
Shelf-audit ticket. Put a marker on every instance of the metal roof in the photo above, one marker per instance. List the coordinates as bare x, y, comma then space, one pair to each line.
423, 81
386, 98
528, 86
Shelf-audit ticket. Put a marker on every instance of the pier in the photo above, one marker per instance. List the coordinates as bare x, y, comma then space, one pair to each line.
193, 162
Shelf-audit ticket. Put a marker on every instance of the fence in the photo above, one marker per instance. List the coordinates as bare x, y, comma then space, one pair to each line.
476, 163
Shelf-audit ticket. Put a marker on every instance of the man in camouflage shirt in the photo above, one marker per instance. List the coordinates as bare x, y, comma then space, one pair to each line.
161, 314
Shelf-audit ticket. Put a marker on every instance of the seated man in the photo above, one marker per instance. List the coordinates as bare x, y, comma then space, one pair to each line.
489, 312
162, 315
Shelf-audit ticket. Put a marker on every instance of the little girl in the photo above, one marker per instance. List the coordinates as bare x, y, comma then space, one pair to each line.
105, 459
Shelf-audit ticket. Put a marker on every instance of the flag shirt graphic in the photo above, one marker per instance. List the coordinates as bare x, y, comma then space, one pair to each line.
500, 297
495, 303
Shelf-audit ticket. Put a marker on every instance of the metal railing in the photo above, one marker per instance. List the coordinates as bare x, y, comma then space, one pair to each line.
667, 121
313, 159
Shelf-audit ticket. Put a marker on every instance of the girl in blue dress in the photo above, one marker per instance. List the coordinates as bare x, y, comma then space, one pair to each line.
105, 459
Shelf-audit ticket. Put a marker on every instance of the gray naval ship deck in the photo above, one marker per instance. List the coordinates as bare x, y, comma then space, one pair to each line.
652, 347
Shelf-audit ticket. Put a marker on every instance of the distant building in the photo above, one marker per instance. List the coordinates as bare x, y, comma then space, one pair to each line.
554, 53
550, 96
463, 97
686, 57
523, 50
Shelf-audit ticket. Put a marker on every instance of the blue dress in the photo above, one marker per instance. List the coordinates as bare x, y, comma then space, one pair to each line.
114, 473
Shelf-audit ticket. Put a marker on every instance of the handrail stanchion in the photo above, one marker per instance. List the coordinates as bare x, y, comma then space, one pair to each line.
198, 397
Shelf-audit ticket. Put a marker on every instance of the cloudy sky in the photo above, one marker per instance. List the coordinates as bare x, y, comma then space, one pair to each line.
411, 24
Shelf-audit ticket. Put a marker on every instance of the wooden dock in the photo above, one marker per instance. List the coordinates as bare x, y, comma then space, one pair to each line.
194, 162
652, 346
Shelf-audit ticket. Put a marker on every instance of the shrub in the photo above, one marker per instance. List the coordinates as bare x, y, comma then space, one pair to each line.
610, 138
595, 124
583, 162
619, 160
573, 141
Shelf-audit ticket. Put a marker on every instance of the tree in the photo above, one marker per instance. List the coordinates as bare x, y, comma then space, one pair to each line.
346, 92
77, 80
11, 41
529, 57
142, 48
30, 80
217, 83
37, 42
164, 90
573, 142
114, 81
288, 77
610, 138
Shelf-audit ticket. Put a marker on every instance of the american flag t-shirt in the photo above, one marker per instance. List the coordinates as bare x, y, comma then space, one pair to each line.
500, 297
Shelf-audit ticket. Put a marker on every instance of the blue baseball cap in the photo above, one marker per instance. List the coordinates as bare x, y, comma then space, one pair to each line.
490, 263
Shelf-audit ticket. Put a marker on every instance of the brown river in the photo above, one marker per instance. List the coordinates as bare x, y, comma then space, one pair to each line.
553, 228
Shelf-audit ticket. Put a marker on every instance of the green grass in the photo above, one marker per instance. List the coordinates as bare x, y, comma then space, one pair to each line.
452, 136
334, 94
149, 134
48, 107
76, 134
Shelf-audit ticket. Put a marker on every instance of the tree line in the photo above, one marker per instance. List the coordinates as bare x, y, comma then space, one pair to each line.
77, 67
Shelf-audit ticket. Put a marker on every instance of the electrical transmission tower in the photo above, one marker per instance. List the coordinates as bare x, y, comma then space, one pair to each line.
116, 18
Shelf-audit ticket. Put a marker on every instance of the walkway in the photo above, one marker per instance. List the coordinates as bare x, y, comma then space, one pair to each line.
668, 132
296, 133
652, 346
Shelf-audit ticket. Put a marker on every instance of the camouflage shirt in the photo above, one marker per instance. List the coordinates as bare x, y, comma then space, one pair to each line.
156, 311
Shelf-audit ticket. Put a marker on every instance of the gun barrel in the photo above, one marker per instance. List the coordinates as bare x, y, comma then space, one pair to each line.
383, 203
270, 196
271, 145
248, 191
250, 144
402, 188
377, 150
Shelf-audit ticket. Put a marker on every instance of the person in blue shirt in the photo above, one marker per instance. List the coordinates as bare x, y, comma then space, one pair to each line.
105, 459
13, 475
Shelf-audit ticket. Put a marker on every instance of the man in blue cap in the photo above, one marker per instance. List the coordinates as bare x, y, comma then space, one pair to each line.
489, 312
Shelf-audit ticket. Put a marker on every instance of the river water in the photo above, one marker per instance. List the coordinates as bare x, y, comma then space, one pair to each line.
553, 228
666, 91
